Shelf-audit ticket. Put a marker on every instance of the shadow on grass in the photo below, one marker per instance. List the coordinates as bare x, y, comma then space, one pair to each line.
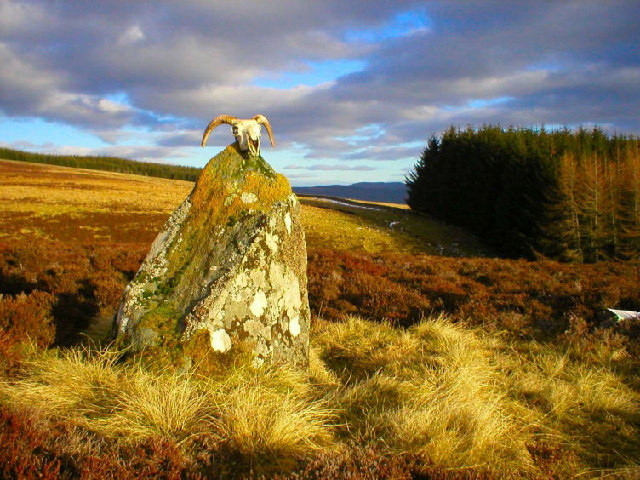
72, 314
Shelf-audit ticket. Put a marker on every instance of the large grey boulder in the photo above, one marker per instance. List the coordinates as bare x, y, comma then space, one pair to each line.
228, 266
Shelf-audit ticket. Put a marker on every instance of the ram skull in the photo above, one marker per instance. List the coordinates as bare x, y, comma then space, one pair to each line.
246, 130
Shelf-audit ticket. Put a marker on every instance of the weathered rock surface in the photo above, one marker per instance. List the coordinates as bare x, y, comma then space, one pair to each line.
229, 264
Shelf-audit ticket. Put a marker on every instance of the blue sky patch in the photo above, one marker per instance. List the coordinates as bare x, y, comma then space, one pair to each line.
483, 102
316, 73
400, 25
119, 97
39, 132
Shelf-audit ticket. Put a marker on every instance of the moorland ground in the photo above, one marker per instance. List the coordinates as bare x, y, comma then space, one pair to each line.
429, 357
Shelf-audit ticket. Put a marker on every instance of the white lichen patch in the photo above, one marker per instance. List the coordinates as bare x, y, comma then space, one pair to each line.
294, 326
132, 307
276, 273
248, 197
287, 222
220, 340
258, 278
292, 293
236, 311
272, 242
255, 328
215, 306
259, 304
238, 287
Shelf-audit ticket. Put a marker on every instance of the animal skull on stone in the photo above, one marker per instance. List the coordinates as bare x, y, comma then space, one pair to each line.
247, 131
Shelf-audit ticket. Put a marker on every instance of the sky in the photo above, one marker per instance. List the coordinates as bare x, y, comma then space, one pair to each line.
353, 89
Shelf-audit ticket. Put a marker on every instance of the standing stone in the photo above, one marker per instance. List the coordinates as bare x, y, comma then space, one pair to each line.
229, 264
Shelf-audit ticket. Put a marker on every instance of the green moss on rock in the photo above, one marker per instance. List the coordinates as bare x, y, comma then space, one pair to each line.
217, 200
163, 321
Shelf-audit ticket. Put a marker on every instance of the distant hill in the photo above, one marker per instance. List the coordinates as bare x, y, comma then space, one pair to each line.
387, 192
110, 164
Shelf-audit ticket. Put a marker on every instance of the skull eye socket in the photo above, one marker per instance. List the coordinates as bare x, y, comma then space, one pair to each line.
235, 130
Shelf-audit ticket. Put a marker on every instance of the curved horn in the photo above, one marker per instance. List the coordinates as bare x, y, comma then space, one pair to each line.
214, 123
262, 120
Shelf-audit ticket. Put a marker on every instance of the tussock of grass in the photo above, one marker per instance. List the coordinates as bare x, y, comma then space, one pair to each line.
450, 394
68, 385
585, 406
264, 415
460, 397
429, 390
170, 406
272, 427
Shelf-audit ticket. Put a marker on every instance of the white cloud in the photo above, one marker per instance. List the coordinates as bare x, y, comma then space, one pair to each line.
23, 87
18, 18
133, 34
425, 65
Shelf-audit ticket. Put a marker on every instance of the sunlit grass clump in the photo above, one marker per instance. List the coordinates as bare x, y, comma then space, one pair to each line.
430, 390
443, 392
265, 414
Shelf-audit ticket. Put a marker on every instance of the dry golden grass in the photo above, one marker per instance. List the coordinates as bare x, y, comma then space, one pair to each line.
401, 206
75, 205
428, 390
462, 397
69, 204
447, 392
258, 421
380, 228
321, 226
580, 400
171, 406
266, 415
48, 189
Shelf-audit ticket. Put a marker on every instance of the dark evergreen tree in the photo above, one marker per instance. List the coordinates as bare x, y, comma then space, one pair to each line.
526, 192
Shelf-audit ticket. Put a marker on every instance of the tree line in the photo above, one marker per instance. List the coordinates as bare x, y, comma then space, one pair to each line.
111, 164
567, 195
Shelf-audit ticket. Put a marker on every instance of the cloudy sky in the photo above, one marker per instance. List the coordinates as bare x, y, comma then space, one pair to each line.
353, 88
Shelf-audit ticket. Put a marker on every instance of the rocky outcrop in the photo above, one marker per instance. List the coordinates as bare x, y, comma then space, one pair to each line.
229, 265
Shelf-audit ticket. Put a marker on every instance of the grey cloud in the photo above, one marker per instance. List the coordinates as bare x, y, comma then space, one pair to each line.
328, 167
384, 153
23, 87
362, 168
462, 60
180, 139
181, 63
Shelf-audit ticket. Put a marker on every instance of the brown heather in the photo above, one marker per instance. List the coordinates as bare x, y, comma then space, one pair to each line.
531, 299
